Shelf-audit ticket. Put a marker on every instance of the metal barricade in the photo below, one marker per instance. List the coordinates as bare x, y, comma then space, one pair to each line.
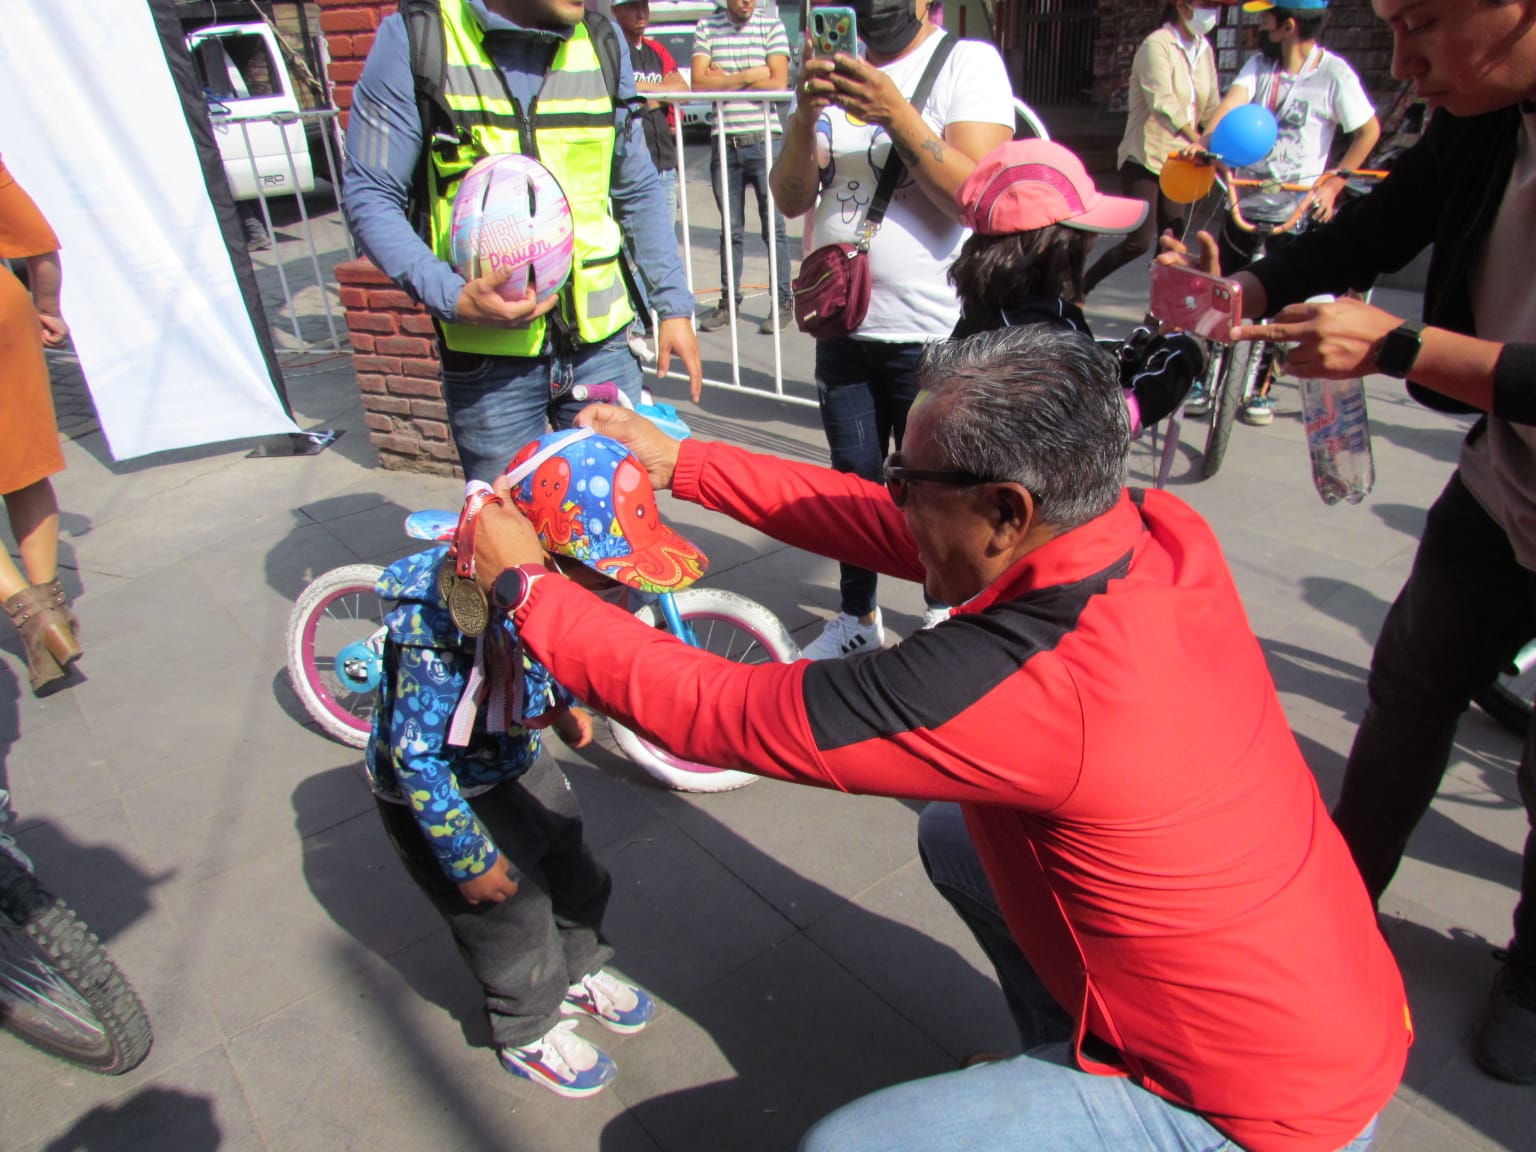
1031, 124
322, 124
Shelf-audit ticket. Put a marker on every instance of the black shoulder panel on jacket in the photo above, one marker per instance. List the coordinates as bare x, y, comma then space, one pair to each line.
932, 677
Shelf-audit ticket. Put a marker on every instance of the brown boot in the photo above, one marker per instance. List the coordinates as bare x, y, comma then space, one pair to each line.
63, 629
28, 611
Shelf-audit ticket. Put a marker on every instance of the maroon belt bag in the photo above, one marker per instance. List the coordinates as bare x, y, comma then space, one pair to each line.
832, 291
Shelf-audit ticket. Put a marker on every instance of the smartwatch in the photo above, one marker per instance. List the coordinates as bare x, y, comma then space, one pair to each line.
513, 587
1399, 348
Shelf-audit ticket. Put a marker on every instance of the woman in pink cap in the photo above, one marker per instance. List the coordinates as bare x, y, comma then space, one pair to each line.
1034, 211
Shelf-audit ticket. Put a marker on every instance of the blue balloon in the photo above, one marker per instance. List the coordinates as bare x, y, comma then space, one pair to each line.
1245, 135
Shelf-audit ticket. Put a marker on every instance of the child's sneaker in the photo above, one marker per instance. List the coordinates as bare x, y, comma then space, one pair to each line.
617, 1006
1198, 402
1259, 410
561, 1061
845, 636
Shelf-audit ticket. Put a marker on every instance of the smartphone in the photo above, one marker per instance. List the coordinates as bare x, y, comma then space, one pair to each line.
833, 30
1184, 300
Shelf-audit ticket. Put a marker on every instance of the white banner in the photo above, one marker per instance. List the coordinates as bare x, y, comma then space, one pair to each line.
94, 131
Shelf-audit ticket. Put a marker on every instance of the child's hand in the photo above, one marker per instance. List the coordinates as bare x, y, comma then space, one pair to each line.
493, 886
574, 726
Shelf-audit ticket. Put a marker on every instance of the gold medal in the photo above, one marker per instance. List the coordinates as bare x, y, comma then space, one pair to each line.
445, 578
467, 604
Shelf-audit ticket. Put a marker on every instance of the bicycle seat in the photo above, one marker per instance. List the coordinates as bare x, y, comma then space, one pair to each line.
1268, 207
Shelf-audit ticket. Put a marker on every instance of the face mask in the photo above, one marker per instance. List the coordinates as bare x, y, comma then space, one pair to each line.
887, 26
1202, 20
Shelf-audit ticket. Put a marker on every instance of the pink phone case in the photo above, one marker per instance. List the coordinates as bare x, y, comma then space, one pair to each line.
1184, 300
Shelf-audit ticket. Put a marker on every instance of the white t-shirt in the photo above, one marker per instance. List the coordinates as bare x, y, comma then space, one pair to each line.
911, 301
1499, 467
1309, 107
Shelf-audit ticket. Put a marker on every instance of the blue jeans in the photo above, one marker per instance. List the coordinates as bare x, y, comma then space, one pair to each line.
496, 404
1038, 1100
746, 166
865, 388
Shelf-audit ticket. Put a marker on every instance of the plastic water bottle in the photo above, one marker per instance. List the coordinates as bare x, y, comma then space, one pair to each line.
1338, 438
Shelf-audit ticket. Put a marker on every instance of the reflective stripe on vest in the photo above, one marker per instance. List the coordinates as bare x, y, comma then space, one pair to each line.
573, 131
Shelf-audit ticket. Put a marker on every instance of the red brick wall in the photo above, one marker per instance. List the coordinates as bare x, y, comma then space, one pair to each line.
395, 356
393, 349
348, 29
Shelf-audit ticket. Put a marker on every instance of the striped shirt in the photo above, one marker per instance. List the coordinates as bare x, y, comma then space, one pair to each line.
736, 48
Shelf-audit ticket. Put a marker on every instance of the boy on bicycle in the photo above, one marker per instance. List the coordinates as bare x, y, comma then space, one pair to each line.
1314, 94
485, 822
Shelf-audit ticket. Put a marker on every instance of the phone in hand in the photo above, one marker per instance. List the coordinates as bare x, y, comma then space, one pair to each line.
1184, 300
833, 30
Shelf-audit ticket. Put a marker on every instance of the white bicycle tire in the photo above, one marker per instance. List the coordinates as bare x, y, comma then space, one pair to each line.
303, 672
703, 605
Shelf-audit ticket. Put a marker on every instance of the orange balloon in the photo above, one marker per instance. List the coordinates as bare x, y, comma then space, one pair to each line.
1185, 181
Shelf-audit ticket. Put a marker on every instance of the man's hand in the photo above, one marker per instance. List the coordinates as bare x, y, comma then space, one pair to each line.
1206, 259
1324, 199
574, 726
676, 334
481, 302
55, 330
503, 538
656, 451
1331, 341
493, 886
865, 92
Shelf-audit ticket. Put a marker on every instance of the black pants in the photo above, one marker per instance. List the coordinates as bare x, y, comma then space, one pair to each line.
1162, 214
1465, 612
527, 951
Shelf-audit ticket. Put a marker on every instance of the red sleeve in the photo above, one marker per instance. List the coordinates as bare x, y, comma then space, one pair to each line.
668, 63
832, 514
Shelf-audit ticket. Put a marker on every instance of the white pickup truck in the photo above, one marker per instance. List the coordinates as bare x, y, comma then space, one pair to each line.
255, 109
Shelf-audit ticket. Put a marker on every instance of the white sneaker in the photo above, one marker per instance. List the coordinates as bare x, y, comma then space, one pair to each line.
561, 1061
935, 615
845, 636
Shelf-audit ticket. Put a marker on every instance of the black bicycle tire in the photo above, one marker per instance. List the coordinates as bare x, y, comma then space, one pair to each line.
1505, 706
1225, 401
67, 944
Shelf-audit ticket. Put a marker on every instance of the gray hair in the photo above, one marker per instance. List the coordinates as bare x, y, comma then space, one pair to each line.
1038, 405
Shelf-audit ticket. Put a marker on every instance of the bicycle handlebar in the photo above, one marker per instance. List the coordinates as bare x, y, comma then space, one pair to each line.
1303, 206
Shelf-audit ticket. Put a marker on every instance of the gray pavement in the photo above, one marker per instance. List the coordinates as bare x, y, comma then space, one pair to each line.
305, 997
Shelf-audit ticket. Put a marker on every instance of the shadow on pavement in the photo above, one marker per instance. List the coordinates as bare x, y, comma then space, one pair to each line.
150, 1120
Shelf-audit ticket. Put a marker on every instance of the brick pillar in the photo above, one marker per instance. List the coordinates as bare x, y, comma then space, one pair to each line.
395, 356
348, 27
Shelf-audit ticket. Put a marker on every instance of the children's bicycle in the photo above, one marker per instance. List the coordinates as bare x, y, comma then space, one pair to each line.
59, 989
336, 634
1238, 372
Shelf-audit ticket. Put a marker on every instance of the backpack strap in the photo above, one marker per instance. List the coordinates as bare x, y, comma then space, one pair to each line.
429, 69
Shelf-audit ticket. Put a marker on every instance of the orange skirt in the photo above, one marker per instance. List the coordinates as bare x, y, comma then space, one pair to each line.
29, 435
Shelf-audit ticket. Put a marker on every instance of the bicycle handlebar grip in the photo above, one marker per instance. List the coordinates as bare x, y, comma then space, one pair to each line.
605, 393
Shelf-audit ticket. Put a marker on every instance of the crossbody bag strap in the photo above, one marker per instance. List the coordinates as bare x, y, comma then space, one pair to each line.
895, 166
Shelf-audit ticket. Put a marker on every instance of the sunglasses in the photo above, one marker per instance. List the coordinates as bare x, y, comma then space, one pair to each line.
897, 477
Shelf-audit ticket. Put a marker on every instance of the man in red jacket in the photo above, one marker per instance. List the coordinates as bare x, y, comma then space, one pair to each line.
1188, 947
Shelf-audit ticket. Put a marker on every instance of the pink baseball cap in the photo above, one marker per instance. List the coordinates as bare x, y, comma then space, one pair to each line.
1029, 184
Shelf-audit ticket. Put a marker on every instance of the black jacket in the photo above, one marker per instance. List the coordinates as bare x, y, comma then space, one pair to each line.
1444, 191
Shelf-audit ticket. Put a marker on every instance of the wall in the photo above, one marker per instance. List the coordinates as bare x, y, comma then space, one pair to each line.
1353, 31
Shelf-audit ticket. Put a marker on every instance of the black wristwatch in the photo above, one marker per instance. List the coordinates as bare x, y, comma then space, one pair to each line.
512, 588
1399, 348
